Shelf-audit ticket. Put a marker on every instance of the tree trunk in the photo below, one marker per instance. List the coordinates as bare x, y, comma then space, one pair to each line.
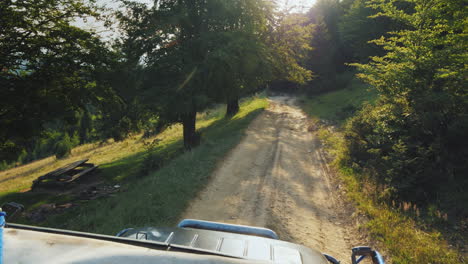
232, 107
191, 138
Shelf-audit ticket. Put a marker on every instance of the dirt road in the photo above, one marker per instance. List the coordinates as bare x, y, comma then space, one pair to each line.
276, 178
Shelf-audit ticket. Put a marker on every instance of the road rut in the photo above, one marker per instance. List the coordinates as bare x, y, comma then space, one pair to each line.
277, 178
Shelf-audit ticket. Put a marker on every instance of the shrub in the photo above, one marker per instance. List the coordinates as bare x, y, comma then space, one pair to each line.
401, 154
63, 147
152, 162
122, 130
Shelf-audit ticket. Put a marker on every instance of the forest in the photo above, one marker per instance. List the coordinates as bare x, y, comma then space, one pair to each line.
62, 85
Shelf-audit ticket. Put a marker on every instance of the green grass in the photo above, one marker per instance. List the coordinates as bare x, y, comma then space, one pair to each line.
160, 198
338, 105
403, 239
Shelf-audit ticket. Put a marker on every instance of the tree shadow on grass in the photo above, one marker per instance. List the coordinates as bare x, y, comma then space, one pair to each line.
217, 139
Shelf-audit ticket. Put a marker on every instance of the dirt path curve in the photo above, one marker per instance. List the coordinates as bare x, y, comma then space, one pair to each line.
276, 178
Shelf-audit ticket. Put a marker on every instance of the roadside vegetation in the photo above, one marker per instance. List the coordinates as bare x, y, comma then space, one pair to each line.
335, 107
154, 189
401, 154
404, 233
160, 198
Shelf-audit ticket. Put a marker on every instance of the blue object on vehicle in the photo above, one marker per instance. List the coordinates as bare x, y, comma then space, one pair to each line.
363, 252
331, 259
2, 224
122, 232
239, 229
378, 257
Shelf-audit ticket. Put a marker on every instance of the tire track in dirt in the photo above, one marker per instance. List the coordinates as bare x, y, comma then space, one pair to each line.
276, 178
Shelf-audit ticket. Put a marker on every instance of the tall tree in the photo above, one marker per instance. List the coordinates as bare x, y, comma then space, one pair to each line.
178, 43
240, 65
357, 28
290, 44
240, 50
271, 45
47, 66
326, 58
169, 39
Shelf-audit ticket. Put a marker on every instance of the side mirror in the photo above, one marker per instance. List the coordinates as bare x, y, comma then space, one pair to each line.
360, 253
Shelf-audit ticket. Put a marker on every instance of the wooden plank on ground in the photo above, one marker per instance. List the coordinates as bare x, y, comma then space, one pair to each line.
56, 174
65, 169
78, 175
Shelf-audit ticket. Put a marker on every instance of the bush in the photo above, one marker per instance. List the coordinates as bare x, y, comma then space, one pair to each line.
402, 155
152, 162
154, 128
155, 160
63, 147
122, 130
9, 151
378, 141
4, 165
414, 140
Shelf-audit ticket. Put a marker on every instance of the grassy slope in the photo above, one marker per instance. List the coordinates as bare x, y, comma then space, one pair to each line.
403, 238
338, 105
156, 199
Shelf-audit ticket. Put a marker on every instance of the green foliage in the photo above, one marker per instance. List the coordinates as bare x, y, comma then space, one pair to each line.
46, 145
9, 149
240, 64
401, 238
4, 165
341, 34
86, 127
46, 68
290, 43
168, 190
337, 106
151, 163
155, 159
354, 39
196, 52
63, 147
404, 239
325, 60
413, 138
122, 129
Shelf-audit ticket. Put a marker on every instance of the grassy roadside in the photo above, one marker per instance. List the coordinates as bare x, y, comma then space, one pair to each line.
336, 106
156, 199
403, 238
159, 198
